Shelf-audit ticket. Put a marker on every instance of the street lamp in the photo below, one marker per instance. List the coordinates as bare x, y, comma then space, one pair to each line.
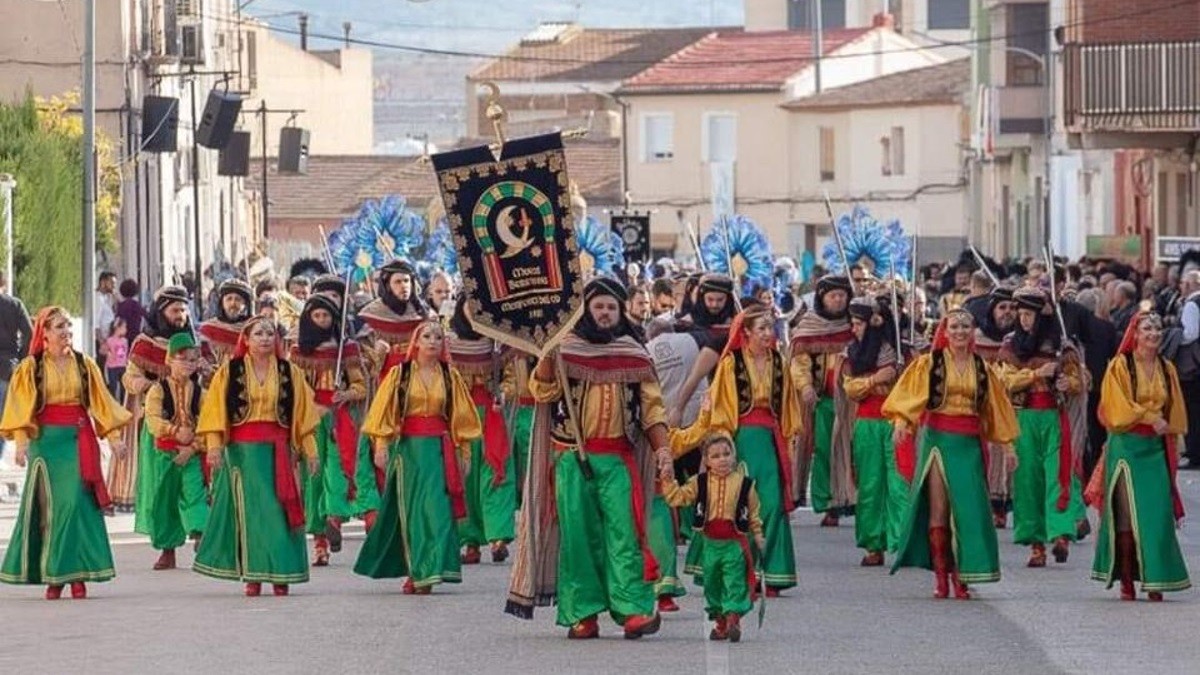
7, 185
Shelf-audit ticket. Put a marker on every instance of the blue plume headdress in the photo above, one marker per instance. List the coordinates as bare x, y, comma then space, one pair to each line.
381, 230
600, 249
749, 251
884, 244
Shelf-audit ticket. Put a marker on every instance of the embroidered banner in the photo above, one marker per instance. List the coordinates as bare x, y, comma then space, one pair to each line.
634, 231
513, 229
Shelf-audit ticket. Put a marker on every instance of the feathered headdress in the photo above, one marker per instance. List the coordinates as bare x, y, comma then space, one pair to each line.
601, 250
381, 231
884, 244
749, 252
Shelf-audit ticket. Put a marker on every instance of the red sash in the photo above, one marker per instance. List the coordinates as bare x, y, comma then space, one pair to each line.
963, 425
286, 489
763, 417
871, 407
495, 435
345, 435
620, 446
89, 446
1172, 454
435, 426
172, 445
725, 530
526, 400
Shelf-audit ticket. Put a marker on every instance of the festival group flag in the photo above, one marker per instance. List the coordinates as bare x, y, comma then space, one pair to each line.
512, 226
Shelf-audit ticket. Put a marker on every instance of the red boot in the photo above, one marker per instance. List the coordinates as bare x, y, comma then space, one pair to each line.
471, 556
733, 627
719, 631
937, 550
1061, 550
408, 588
830, 520
1125, 561
78, 590
54, 591
369, 519
588, 629
667, 604
643, 624
961, 591
166, 560
279, 589
320, 551
1037, 556
253, 589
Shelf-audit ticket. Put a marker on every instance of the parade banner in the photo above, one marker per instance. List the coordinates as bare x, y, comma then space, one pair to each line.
1127, 249
512, 226
634, 231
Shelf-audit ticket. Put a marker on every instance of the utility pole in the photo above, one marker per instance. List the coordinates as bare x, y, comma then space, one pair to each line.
7, 185
818, 47
88, 342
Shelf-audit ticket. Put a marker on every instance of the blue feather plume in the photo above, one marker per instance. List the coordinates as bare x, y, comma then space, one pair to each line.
749, 250
884, 243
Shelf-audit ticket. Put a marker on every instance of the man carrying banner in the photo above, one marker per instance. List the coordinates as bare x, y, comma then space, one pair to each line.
601, 485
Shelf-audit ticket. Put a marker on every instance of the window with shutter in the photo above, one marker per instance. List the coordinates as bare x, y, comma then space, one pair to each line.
658, 143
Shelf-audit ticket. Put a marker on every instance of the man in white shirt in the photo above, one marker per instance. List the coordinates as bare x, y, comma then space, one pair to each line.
673, 355
104, 311
1189, 320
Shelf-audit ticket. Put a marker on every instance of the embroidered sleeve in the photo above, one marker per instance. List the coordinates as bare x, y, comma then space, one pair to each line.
19, 422
213, 425
677, 495
907, 401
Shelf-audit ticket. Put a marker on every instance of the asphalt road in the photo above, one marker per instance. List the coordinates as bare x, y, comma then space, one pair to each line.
841, 619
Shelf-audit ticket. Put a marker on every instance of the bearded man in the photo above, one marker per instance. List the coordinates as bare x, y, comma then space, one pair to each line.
396, 313
219, 335
818, 341
599, 421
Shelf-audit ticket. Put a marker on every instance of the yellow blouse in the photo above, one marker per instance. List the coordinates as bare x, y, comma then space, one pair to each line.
908, 399
384, 420
61, 386
802, 373
321, 377
1021, 378
858, 388
1121, 409
722, 498
603, 408
214, 424
181, 392
515, 383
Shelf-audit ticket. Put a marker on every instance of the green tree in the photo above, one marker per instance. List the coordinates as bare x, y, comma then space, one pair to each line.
41, 144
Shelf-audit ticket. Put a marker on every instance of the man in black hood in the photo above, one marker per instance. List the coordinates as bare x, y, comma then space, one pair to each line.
396, 313
708, 323
219, 335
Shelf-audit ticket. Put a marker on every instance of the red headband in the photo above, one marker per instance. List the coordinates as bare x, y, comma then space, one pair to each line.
411, 353
941, 337
243, 344
1129, 340
737, 334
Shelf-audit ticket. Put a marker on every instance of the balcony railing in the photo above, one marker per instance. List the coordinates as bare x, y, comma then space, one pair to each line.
1149, 86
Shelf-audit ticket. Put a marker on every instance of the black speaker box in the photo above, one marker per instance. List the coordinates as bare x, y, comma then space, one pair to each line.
219, 118
160, 123
293, 150
234, 159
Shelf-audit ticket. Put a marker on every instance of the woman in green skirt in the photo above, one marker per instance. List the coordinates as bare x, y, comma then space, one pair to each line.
421, 422
1142, 407
57, 407
868, 372
955, 403
257, 416
754, 401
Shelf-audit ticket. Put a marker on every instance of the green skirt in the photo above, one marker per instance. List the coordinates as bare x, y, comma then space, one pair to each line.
59, 535
1141, 463
600, 562
756, 450
882, 491
247, 537
331, 493
180, 505
490, 505
149, 475
414, 534
661, 530
821, 482
972, 530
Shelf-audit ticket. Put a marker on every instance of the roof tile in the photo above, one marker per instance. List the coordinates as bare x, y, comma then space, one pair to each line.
945, 82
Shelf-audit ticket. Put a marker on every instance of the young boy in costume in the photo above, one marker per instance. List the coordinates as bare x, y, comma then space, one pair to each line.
725, 510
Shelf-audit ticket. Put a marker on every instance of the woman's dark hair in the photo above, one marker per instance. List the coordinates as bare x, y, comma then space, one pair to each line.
129, 288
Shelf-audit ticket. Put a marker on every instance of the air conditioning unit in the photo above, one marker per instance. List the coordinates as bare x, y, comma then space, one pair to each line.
191, 45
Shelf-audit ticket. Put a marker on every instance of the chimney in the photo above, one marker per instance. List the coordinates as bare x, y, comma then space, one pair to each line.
346, 32
883, 20
304, 32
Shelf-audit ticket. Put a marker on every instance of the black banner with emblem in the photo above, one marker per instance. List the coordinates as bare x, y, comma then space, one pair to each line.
634, 231
512, 226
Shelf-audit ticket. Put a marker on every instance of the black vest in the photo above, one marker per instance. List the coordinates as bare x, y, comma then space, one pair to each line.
237, 400
168, 402
741, 516
937, 381
405, 379
745, 393
39, 375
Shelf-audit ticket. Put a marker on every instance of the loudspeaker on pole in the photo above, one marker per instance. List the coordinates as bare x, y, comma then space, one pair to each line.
293, 150
234, 159
219, 118
160, 123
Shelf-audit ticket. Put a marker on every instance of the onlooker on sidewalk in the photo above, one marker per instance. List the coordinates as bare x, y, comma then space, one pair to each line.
117, 348
130, 309
1189, 378
15, 331
103, 312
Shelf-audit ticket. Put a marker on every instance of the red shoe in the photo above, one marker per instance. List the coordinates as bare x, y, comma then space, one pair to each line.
830, 520
961, 591
78, 590
369, 519
471, 556
333, 532
408, 588
1125, 562
253, 589
643, 624
423, 590
772, 592
499, 551
667, 604
1037, 556
588, 629
999, 517
1061, 550
733, 628
320, 551
54, 591
718, 631
872, 559
1155, 596
279, 589
937, 550
166, 560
